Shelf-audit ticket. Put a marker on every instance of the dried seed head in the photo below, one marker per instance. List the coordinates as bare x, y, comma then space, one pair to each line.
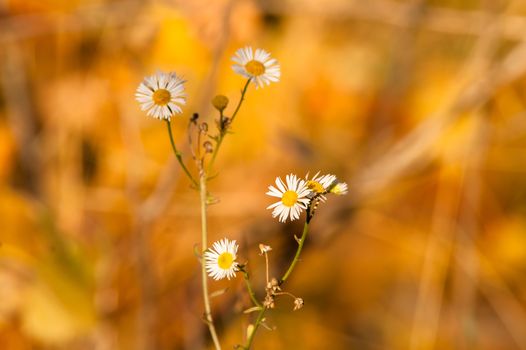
208, 147
298, 304
220, 102
194, 118
269, 302
273, 285
264, 248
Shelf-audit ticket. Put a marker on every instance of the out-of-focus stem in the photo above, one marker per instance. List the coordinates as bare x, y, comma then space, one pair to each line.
204, 245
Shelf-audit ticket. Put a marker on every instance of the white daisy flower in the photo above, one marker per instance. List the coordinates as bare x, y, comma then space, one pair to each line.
339, 189
293, 198
259, 66
161, 95
220, 260
320, 183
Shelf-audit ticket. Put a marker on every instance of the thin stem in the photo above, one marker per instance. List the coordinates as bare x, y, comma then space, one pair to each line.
286, 293
223, 131
284, 278
250, 290
266, 267
221, 117
298, 252
204, 246
256, 325
216, 148
178, 154
243, 92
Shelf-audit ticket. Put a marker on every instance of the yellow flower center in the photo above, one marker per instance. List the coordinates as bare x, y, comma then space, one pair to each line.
315, 186
225, 260
289, 198
255, 68
161, 97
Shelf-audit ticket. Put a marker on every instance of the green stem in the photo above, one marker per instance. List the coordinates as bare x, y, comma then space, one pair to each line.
204, 246
223, 132
298, 252
178, 154
256, 325
243, 92
216, 148
250, 290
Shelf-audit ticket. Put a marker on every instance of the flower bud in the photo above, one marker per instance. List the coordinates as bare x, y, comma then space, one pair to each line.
220, 102
203, 127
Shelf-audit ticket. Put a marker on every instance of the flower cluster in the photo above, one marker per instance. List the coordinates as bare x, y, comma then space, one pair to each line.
296, 194
162, 94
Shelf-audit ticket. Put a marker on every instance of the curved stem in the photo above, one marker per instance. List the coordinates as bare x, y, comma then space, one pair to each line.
223, 131
250, 290
178, 154
243, 92
298, 252
204, 246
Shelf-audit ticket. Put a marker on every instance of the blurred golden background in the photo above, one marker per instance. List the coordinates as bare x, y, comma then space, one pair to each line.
419, 105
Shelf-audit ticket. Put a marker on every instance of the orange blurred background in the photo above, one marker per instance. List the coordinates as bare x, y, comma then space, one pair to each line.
420, 106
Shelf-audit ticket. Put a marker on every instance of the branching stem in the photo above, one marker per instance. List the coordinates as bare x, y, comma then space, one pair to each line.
224, 129
295, 260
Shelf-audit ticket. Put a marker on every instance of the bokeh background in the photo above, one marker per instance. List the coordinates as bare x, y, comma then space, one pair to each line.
419, 105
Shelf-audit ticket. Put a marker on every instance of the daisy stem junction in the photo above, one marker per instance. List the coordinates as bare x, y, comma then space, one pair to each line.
204, 246
224, 126
178, 154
